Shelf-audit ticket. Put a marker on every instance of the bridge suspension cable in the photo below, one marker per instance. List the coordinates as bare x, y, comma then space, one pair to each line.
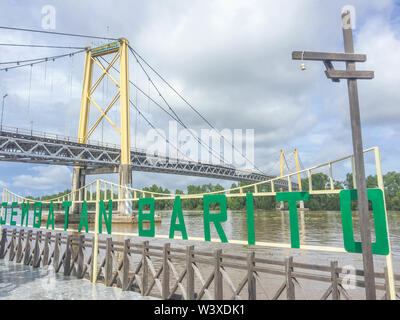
177, 118
136, 55
57, 33
174, 116
31, 62
154, 128
38, 46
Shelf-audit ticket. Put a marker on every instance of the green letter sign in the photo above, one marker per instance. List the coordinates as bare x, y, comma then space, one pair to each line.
37, 214
381, 246
146, 217
177, 213
215, 218
292, 198
103, 213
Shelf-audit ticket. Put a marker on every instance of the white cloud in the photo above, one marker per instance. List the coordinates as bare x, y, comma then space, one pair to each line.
47, 178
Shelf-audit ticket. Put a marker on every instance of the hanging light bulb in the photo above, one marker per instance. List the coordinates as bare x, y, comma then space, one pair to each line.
303, 65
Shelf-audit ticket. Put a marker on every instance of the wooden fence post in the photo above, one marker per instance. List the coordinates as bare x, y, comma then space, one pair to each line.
165, 271
56, 253
18, 259
289, 281
36, 250
387, 284
189, 273
67, 256
125, 265
251, 280
109, 263
45, 258
145, 268
27, 250
3, 243
11, 254
218, 290
335, 282
80, 261
92, 261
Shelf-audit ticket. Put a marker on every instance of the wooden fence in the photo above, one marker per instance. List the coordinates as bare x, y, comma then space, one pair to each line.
178, 273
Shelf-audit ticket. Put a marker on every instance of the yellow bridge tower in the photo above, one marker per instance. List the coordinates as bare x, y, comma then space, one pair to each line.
120, 51
283, 162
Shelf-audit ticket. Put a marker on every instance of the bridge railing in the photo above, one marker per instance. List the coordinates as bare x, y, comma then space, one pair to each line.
156, 156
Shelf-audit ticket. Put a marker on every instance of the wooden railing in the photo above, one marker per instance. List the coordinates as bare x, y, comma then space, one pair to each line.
179, 273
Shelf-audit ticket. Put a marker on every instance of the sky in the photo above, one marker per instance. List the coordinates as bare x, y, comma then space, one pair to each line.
230, 59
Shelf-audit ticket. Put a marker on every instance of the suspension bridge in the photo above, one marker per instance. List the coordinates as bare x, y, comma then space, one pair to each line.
93, 158
89, 157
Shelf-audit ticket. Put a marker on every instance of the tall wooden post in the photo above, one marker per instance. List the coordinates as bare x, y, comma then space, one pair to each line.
363, 211
351, 75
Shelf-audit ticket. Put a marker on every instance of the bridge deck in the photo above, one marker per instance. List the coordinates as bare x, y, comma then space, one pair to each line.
58, 150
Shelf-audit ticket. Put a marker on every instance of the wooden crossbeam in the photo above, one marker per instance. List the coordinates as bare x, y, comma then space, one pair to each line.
349, 74
328, 56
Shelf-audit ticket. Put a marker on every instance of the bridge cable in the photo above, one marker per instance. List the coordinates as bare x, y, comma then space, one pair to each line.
212, 151
154, 128
140, 90
57, 33
134, 52
175, 116
39, 46
29, 92
37, 61
143, 116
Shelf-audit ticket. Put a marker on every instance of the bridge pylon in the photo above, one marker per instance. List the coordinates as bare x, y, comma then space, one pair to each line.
120, 51
283, 162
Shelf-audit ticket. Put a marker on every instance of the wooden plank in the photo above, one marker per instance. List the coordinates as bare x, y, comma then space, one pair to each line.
218, 288
328, 56
109, 261
145, 268
251, 280
125, 265
3, 243
56, 252
80, 268
67, 257
165, 279
27, 250
335, 283
19, 256
46, 250
190, 273
11, 254
178, 282
36, 250
290, 294
349, 74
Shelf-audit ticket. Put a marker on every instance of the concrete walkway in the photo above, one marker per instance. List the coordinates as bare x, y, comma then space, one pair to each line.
20, 282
